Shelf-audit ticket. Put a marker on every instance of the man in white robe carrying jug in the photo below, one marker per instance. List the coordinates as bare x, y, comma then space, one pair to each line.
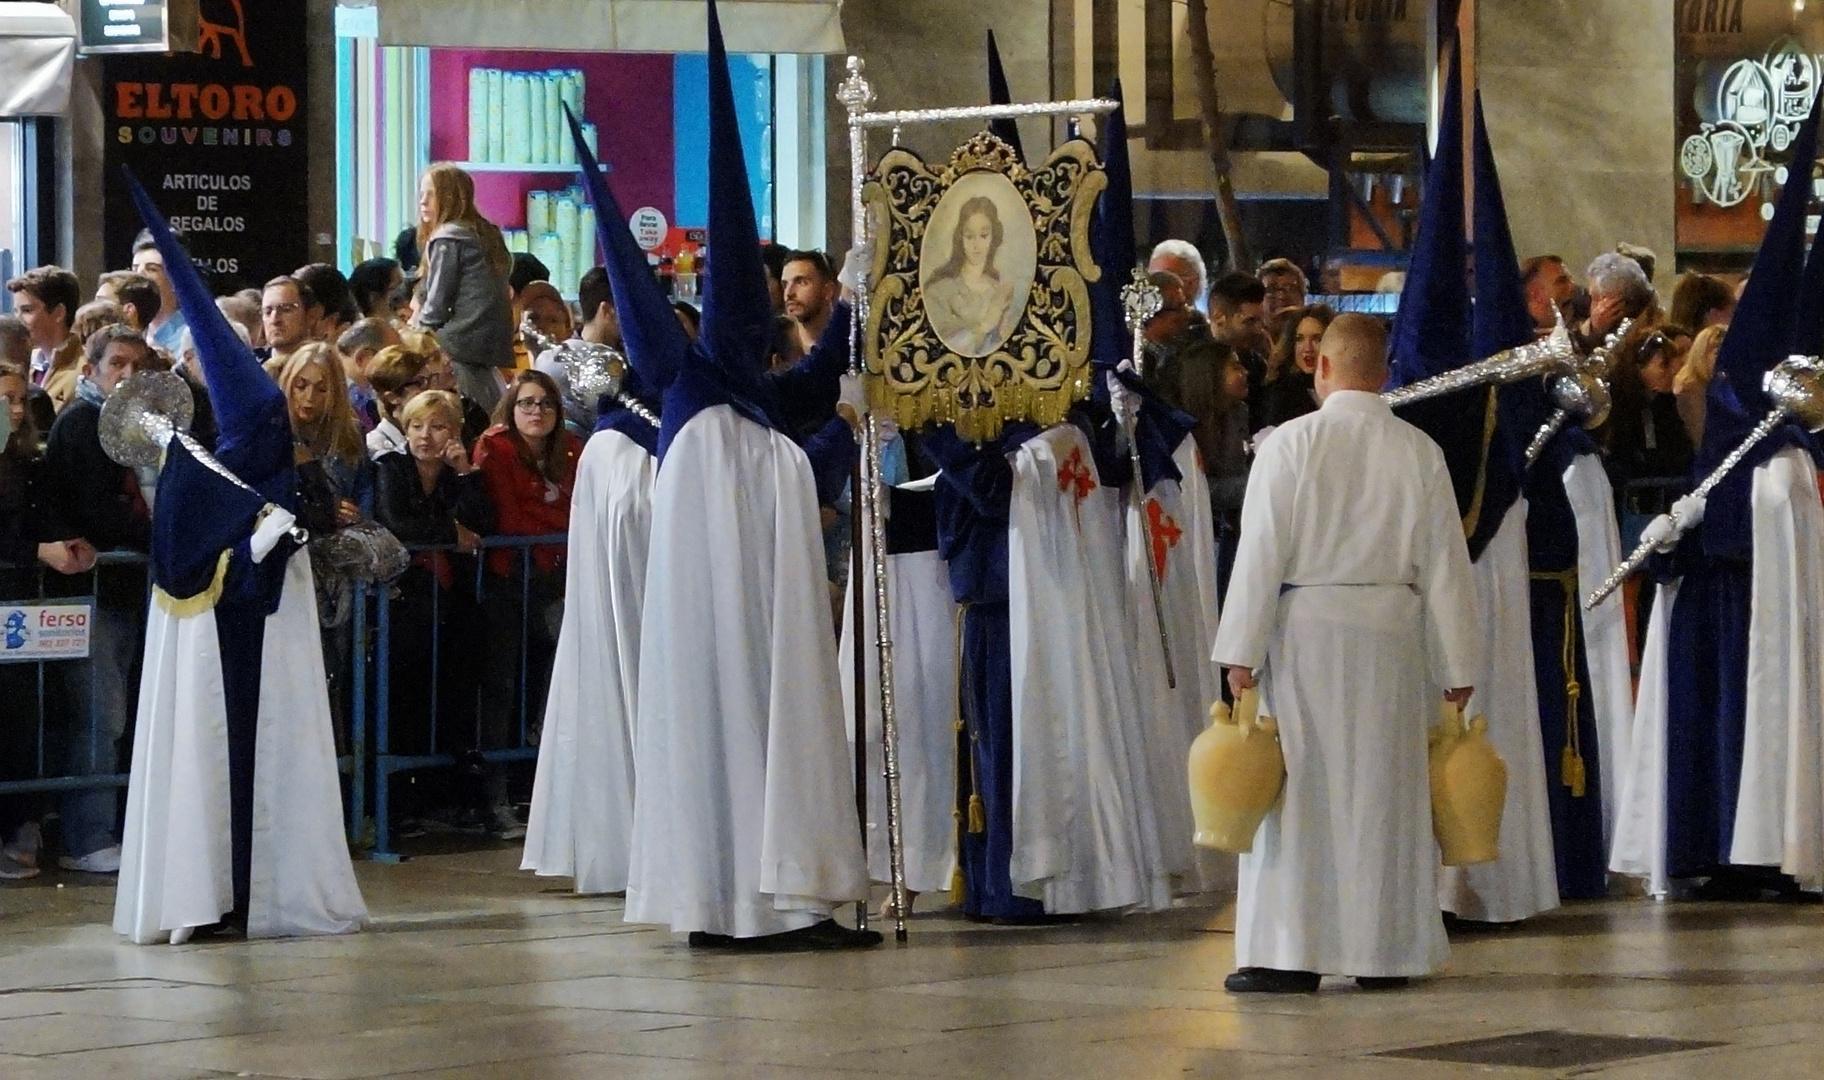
1351, 602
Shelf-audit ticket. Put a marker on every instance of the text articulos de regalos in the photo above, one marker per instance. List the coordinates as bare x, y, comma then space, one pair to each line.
204, 114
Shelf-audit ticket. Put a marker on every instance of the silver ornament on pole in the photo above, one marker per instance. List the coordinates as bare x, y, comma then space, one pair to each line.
1796, 388
1582, 393
1140, 301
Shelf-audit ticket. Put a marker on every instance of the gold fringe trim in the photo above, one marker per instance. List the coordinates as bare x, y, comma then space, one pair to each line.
195, 605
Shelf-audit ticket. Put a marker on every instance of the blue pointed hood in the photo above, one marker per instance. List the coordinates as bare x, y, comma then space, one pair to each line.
656, 344
737, 329
1161, 428
1500, 320
1005, 129
254, 439
1761, 334
1434, 333
1431, 333
1112, 243
1808, 324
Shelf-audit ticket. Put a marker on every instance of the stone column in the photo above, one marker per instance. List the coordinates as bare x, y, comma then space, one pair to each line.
931, 54
1578, 95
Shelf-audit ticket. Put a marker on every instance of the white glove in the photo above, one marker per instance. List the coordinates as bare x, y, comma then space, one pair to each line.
853, 394
1125, 402
1662, 533
274, 524
1688, 511
855, 266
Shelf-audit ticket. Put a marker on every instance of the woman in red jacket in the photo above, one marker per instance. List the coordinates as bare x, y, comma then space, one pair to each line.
528, 466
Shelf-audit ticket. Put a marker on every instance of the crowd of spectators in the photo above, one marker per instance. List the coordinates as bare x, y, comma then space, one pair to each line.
1238, 352
415, 406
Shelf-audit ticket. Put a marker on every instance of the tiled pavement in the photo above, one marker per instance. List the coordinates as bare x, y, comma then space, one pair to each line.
474, 971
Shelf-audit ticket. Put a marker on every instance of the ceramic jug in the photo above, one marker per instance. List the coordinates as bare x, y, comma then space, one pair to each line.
1237, 773
1468, 789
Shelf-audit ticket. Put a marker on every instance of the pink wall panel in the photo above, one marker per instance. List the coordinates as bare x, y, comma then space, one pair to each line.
627, 96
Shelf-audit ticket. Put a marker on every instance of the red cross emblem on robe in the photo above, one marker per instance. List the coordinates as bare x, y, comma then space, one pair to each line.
1075, 479
1165, 533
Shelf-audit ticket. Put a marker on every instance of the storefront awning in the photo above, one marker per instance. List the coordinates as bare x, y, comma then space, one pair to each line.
748, 26
37, 54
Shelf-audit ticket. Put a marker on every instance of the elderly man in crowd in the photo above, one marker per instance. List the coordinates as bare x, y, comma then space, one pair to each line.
1619, 290
1182, 260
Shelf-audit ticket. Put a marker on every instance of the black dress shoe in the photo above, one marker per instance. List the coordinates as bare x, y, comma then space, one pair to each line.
1382, 982
703, 939
826, 936
1259, 980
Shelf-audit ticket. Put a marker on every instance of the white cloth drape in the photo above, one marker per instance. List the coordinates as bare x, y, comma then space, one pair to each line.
581, 823
744, 810
1524, 880
1085, 831
176, 862
1605, 628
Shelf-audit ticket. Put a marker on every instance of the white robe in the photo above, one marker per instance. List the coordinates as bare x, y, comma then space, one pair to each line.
1174, 716
925, 713
1605, 629
1353, 597
1779, 808
1779, 817
176, 866
582, 796
1638, 848
1524, 881
1085, 834
744, 810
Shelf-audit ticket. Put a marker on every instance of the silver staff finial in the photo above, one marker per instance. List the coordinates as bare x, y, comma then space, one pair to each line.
1140, 301
856, 93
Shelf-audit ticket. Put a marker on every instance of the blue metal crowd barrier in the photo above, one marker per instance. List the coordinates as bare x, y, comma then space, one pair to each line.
42, 779
372, 724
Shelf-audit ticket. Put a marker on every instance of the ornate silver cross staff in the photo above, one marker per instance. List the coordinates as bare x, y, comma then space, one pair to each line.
1140, 301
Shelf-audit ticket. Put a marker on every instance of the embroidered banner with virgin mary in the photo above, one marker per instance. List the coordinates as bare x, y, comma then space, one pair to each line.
979, 314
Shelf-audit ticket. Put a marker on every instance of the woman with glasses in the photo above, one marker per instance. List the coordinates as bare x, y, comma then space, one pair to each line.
528, 465
397, 374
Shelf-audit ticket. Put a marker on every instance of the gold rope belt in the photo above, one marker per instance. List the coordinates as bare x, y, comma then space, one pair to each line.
1570, 765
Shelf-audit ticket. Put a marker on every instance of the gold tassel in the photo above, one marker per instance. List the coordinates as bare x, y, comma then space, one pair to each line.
957, 891
1570, 771
978, 813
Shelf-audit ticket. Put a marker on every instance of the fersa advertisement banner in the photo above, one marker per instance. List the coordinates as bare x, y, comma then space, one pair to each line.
218, 139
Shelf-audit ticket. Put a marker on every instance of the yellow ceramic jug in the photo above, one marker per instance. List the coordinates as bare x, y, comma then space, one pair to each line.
1468, 790
1237, 772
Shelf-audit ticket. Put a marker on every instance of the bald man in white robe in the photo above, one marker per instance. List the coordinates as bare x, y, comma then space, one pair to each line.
1352, 604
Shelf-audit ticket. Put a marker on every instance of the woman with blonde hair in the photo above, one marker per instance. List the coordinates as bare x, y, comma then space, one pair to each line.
465, 282
1692, 383
334, 473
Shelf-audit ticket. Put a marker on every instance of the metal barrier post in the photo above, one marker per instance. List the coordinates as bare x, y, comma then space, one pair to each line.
383, 773
357, 721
